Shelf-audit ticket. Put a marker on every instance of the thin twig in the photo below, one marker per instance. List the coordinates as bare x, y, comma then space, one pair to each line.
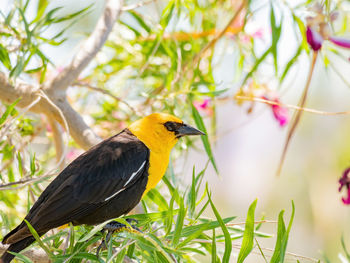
256, 222
308, 110
25, 181
106, 92
220, 34
238, 246
297, 115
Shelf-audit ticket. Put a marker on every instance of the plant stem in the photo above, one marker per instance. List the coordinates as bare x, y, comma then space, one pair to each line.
297, 115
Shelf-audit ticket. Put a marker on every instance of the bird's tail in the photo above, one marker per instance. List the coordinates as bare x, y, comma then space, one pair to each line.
16, 247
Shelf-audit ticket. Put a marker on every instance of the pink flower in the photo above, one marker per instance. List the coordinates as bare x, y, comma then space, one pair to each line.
345, 181
318, 30
280, 113
258, 33
204, 106
340, 41
314, 39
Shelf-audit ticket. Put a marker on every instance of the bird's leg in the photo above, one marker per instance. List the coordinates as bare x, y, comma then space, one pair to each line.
116, 227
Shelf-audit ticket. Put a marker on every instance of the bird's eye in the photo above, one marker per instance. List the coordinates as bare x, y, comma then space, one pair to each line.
171, 126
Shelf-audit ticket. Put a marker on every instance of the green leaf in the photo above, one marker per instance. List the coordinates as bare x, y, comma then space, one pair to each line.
71, 238
213, 248
228, 241
256, 65
248, 236
140, 21
302, 30
192, 196
20, 164
42, 4
131, 249
290, 63
282, 237
179, 222
200, 124
18, 69
32, 165
344, 247
158, 199
276, 33
213, 93
26, 27
261, 252
37, 238
167, 13
8, 111
4, 57
9, 17
286, 235
21, 257
281, 230
72, 15
189, 230
93, 231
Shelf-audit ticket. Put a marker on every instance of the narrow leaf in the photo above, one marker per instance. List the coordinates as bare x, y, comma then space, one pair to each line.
281, 230
213, 248
248, 236
4, 57
290, 63
37, 238
8, 111
228, 241
179, 222
200, 124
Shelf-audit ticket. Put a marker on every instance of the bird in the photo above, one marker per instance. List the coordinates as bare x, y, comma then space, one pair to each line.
105, 182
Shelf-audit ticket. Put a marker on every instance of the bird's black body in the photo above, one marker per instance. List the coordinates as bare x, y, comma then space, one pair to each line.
103, 183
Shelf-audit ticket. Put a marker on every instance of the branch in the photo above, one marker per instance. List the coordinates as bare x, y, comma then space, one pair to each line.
90, 47
55, 104
36, 255
58, 141
25, 181
55, 107
107, 92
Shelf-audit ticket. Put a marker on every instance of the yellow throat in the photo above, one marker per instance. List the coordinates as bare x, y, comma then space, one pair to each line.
152, 132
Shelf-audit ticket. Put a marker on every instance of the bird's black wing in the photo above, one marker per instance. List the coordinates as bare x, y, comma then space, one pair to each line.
90, 181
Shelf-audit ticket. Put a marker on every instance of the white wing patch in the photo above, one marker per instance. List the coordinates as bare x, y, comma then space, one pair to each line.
131, 177
135, 173
113, 195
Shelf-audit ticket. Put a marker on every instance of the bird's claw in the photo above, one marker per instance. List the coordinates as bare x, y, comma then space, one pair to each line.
116, 227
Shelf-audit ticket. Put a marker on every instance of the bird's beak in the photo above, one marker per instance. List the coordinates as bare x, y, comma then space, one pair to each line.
185, 130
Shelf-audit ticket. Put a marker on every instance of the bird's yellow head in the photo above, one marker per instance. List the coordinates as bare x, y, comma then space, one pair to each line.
160, 131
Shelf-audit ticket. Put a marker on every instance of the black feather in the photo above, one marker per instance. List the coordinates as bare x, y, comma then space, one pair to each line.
85, 192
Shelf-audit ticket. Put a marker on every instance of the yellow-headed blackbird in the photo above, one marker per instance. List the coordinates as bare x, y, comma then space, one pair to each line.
105, 182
